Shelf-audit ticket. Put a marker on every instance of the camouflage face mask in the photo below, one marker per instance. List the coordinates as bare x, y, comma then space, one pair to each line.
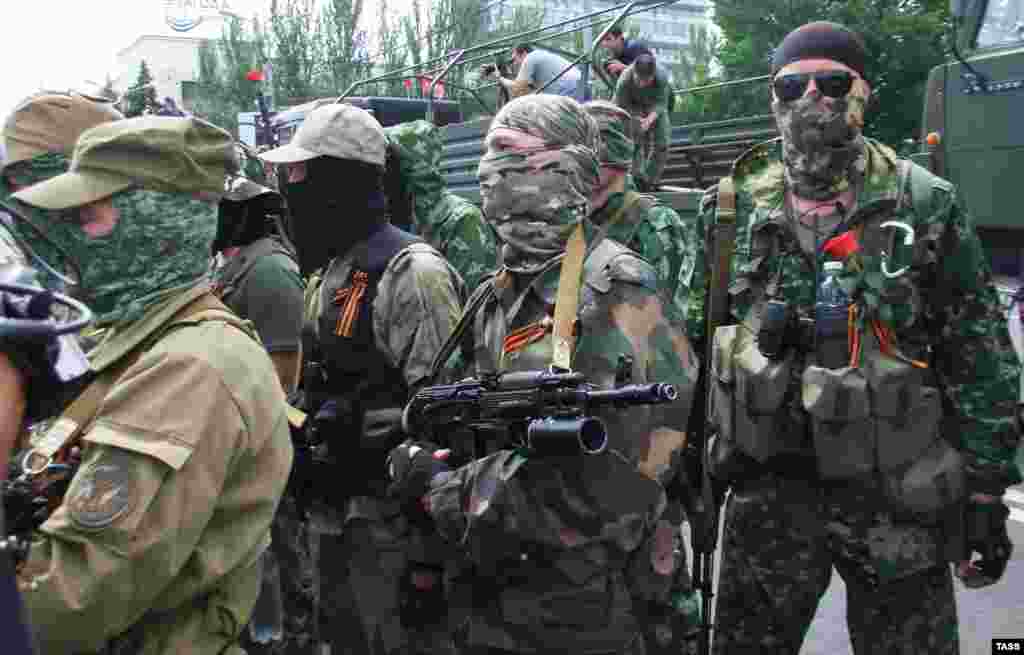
821, 142
159, 246
26, 173
535, 198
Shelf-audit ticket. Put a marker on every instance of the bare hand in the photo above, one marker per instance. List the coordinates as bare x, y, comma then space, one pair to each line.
615, 66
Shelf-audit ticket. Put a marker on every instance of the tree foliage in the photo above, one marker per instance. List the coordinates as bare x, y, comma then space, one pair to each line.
140, 98
904, 38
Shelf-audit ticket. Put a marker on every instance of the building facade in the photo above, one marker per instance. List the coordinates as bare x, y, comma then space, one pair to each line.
170, 42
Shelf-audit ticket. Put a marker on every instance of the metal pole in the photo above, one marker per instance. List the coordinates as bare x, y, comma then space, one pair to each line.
507, 41
433, 84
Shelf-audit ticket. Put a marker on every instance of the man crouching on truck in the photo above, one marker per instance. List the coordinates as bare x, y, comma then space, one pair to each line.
876, 439
559, 549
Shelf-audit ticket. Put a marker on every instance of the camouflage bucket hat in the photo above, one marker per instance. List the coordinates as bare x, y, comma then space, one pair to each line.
338, 130
51, 123
616, 126
157, 153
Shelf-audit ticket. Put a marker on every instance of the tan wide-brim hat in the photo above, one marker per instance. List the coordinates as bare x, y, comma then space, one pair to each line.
159, 153
337, 130
52, 122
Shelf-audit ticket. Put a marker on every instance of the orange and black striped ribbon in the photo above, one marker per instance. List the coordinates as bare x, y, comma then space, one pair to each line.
351, 296
524, 336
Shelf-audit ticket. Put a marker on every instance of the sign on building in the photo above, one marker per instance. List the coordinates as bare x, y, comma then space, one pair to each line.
184, 15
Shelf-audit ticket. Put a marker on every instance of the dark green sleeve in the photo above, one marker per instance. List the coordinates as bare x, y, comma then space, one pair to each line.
973, 352
270, 296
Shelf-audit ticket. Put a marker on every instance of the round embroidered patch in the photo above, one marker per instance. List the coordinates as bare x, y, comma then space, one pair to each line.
103, 493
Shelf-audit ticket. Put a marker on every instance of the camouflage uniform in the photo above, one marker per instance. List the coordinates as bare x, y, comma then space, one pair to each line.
186, 452
652, 145
453, 225
787, 523
568, 564
373, 323
658, 234
365, 546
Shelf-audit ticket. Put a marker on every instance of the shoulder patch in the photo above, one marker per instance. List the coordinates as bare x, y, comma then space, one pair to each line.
611, 261
104, 492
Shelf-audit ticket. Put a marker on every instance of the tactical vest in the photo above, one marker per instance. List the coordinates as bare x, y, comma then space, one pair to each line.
353, 364
877, 422
230, 277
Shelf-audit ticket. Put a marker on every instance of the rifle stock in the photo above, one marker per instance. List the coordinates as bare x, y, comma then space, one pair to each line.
705, 510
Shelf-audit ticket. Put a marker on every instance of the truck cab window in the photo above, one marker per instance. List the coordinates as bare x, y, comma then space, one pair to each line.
1003, 24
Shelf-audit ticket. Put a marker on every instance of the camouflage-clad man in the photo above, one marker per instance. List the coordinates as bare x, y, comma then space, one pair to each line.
374, 321
886, 462
645, 92
38, 138
182, 436
653, 230
658, 234
453, 225
557, 547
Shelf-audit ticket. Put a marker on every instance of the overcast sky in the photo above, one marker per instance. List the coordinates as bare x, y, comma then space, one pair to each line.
62, 44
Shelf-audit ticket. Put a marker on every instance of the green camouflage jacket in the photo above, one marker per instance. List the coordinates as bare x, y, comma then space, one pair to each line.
456, 227
621, 318
658, 234
944, 310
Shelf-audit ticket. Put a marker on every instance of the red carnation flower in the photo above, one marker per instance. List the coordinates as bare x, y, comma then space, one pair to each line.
843, 245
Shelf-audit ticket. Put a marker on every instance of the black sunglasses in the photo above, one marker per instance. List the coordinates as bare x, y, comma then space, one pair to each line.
834, 84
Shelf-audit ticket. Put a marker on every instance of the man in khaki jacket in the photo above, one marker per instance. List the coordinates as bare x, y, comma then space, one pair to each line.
182, 438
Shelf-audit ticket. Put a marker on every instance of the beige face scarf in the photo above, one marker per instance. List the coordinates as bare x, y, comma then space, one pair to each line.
537, 176
821, 141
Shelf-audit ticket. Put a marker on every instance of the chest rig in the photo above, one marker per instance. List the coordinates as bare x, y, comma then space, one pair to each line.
352, 363
876, 420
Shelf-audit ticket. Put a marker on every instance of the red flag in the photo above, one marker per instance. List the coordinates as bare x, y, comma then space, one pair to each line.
255, 75
408, 83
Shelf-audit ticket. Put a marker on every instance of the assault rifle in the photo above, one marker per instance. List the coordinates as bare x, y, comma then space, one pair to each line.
547, 413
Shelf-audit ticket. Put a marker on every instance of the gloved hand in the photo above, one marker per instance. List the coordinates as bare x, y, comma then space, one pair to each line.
487, 70
411, 467
985, 534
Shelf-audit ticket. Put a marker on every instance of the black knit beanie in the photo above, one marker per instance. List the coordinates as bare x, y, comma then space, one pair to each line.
823, 40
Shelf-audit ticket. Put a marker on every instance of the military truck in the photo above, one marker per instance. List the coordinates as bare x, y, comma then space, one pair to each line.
969, 113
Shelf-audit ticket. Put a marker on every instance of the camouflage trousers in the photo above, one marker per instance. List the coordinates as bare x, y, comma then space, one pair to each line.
282, 622
364, 589
651, 153
782, 539
671, 628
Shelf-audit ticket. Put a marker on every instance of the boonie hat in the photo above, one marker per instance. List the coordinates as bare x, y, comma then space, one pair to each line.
52, 122
159, 153
336, 130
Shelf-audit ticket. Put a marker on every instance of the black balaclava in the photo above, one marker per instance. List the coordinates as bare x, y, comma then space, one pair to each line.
340, 203
242, 223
